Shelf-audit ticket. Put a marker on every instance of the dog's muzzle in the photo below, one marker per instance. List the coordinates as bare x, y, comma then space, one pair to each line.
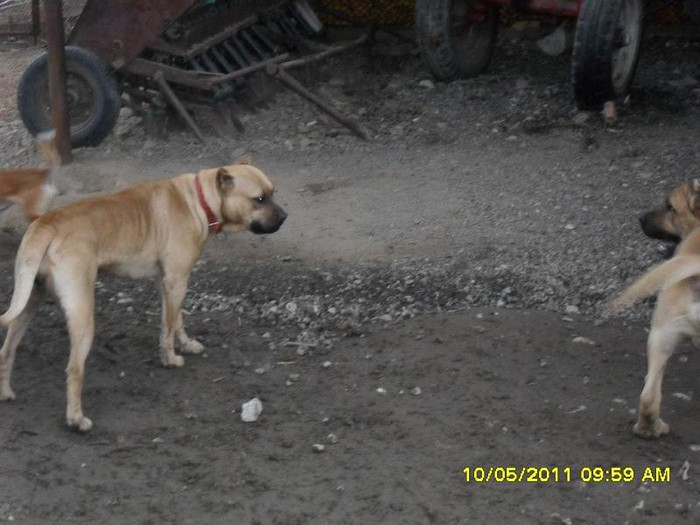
272, 225
651, 229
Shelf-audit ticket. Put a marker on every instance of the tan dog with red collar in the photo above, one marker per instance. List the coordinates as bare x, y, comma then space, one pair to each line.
156, 228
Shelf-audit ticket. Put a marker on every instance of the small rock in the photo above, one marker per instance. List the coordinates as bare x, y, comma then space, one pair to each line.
381, 390
291, 307
318, 448
427, 84
386, 318
572, 309
251, 410
439, 340
332, 438
158, 440
570, 226
681, 395
416, 391
286, 258
583, 340
581, 118
327, 364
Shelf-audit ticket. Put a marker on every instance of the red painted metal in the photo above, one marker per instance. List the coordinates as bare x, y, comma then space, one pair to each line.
118, 30
563, 8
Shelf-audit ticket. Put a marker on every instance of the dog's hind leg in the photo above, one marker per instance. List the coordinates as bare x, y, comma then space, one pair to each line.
660, 346
187, 344
75, 288
15, 332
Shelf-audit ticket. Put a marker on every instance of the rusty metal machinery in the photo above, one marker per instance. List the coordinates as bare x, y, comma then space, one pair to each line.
200, 51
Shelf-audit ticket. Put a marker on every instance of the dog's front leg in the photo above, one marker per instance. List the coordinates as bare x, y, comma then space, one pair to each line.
173, 288
187, 344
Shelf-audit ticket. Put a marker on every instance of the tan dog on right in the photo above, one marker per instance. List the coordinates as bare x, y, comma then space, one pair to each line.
677, 312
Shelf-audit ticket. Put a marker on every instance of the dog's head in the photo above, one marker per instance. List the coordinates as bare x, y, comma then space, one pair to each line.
247, 199
679, 215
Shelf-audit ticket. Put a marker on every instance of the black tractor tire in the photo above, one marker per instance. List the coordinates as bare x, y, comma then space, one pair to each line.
452, 49
606, 50
92, 97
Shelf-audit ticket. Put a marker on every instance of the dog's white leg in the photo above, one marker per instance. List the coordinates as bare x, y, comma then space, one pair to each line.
187, 344
173, 288
660, 346
75, 288
15, 332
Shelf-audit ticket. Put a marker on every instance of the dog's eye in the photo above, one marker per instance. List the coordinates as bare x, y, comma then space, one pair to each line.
260, 200
669, 207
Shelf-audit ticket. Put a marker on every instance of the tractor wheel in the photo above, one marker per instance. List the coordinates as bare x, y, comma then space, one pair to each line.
92, 97
456, 37
606, 50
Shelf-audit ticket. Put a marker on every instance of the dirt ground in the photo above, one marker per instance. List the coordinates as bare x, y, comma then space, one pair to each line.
417, 314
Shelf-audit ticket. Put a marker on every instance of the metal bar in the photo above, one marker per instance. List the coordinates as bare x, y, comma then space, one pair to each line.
36, 21
241, 48
256, 47
146, 68
223, 60
55, 39
275, 71
334, 50
240, 61
248, 70
209, 64
195, 63
175, 102
274, 48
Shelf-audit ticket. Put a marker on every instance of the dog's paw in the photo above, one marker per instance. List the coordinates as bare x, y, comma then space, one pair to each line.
174, 361
81, 424
192, 346
658, 429
7, 394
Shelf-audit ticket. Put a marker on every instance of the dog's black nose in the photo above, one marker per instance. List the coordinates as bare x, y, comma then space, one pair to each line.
281, 214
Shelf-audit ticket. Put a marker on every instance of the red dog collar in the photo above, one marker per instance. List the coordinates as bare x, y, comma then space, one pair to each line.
214, 223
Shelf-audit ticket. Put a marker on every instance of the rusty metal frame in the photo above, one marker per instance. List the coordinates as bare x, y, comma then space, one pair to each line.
132, 26
563, 8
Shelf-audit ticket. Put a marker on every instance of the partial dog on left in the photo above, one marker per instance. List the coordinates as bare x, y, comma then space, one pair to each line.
677, 312
31, 187
153, 229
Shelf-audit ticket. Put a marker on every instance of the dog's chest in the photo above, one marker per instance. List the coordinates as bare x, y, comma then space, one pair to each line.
134, 267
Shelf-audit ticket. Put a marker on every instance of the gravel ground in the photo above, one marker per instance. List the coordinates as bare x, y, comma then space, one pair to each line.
493, 193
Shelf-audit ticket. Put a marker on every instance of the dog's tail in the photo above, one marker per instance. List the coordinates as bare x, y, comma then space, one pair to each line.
29, 256
659, 277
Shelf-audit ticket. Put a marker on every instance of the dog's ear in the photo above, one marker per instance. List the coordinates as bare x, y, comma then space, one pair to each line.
244, 159
224, 180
